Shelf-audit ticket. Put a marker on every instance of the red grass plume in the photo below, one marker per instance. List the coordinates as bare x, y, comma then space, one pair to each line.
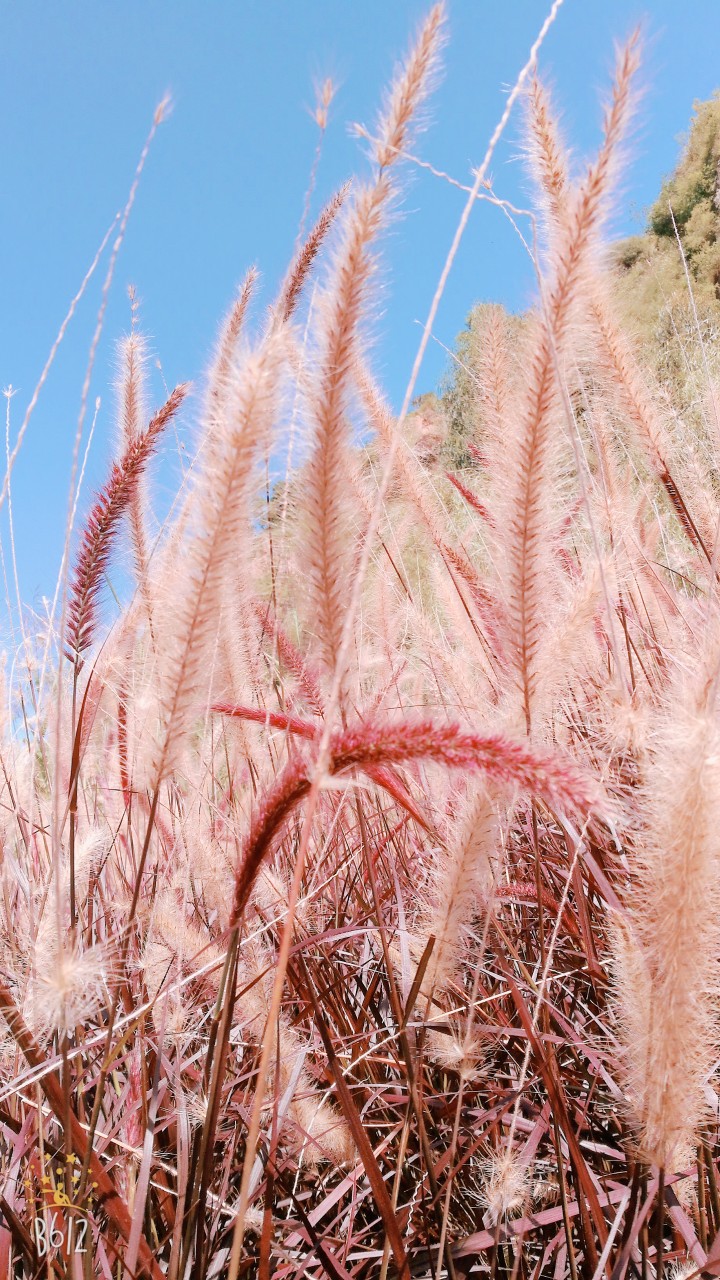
543, 774
103, 524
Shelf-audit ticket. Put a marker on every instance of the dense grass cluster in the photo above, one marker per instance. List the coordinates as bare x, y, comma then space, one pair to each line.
360, 904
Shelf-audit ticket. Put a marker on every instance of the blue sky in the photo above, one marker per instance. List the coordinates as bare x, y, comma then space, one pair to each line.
225, 181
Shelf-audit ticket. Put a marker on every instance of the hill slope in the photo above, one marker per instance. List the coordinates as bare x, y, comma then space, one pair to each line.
652, 288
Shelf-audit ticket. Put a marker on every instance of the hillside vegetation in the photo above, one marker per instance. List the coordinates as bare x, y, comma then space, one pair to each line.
666, 285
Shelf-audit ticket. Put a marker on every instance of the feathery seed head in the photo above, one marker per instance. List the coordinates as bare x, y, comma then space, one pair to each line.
325, 91
664, 955
188, 634
67, 989
410, 88
457, 1053
506, 1189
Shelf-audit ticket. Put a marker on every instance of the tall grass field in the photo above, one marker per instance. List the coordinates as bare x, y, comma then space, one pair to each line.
360, 867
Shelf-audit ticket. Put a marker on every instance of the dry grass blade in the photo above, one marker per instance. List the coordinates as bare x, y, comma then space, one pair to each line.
367, 1154
107, 1195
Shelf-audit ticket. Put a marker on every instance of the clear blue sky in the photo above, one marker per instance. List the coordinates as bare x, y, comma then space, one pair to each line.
225, 182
